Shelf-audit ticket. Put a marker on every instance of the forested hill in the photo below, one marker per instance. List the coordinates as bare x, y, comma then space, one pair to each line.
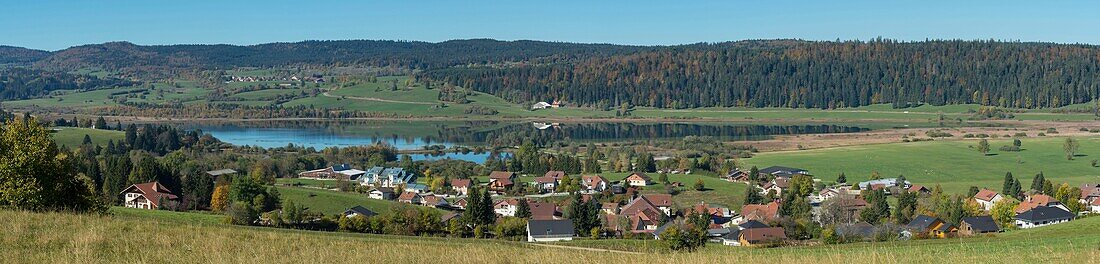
128, 57
17, 55
806, 75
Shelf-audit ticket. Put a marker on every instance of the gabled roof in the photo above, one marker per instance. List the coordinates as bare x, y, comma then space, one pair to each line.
498, 175
544, 228
640, 205
639, 175
922, 223
756, 235
659, 200
918, 188
781, 169
543, 211
456, 183
760, 212
981, 223
434, 200
446, 217
1042, 199
592, 180
557, 175
407, 196
546, 179
1044, 213
384, 190
360, 210
986, 195
752, 224
153, 191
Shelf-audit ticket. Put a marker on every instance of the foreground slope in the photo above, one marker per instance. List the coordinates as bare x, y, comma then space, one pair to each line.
136, 236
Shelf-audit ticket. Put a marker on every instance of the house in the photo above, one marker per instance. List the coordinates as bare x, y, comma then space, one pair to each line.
387, 177
446, 218
986, 198
460, 203
498, 175
826, 194
549, 230
1042, 216
931, 227
970, 226
409, 197
610, 208
358, 211
883, 184
761, 236
760, 212
861, 230
149, 195
541, 105
775, 186
594, 183
1094, 206
638, 179
544, 211
646, 212
416, 187
736, 176
733, 238
335, 172
556, 175
434, 201
506, 207
461, 186
546, 184
919, 190
222, 172
1039, 200
381, 193
500, 185
783, 172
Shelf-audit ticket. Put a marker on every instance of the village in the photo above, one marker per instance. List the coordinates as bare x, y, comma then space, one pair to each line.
625, 212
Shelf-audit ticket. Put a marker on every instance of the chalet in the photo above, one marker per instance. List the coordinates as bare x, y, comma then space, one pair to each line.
500, 185
783, 172
506, 207
409, 198
541, 105
760, 212
970, 226
222, 172
986, 198
499, 175
736, 176
546, 184
549, 230
149, 195
761, 236
637, 179
434, 201
387, 177
381, 193
461, 186
358, 211
1042, 216
594, 183
335, 172
932, 227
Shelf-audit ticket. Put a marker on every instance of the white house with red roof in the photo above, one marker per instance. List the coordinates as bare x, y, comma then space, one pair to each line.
986, 198
149, 195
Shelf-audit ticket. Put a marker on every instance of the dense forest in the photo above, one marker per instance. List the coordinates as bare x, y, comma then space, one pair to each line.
17, 55
755, 73
806, 75
22, 83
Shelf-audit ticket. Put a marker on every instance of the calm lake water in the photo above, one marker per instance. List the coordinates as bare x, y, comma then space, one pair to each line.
415, 135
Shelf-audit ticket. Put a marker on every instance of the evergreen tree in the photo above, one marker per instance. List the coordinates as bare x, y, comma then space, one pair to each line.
842, 178
1037, 182
523, 210
1007, 187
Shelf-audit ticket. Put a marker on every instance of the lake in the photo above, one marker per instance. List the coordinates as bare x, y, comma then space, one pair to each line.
416, 135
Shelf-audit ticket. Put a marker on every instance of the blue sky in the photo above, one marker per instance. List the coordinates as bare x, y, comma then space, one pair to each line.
53, 25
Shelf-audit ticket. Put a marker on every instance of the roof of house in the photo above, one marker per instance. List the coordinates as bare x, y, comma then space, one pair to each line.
497, 175
221, 172
983, 223
544, 228
511, 202
1044, 213
659, 200
917, 188
760, 212
384, 190
763, 234
861, 229
781, 169
922, 223
407, 196
461, 183
557, 175
639, 174
640, 205
986, 195
752, 224
504, 182
434, 200
1041, 199
153, 191
945, 227
543, 210
590, 180
445, 217
545, 179
416, 186
360, 210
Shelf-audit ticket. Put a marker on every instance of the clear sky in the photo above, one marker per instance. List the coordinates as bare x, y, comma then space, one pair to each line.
53, 25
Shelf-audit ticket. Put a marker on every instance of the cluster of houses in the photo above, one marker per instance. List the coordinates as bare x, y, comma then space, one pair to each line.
1034, 211
315, 78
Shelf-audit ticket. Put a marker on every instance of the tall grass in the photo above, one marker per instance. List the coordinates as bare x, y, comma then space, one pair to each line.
65, 238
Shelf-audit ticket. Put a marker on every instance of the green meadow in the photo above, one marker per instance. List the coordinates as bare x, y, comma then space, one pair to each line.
953, 164
74, 136
330, 202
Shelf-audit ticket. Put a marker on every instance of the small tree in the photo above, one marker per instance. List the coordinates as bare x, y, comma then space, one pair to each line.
699, 185
842, 178
1070, 147
523, 210
983, 147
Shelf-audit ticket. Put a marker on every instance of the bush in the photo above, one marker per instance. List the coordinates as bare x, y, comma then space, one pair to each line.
938, 133
241, 213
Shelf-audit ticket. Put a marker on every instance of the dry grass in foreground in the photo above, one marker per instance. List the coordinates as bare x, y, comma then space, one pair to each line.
65, 238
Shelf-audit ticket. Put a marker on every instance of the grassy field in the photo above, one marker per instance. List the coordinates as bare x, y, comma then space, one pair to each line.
952, 164
74, 136
330, 202
52, 238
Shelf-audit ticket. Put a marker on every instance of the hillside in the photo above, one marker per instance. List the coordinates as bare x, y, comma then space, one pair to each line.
136, 236
17, 55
